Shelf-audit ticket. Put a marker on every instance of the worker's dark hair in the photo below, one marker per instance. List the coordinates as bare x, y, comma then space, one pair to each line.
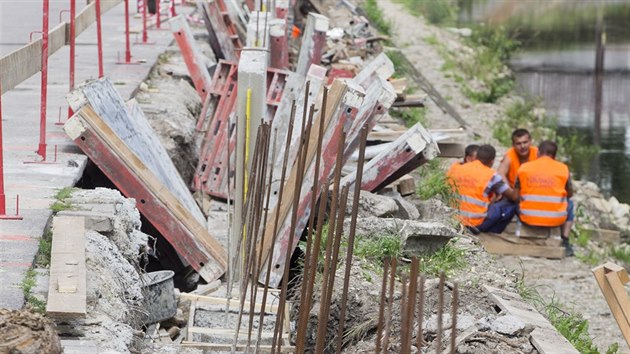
471, 149
519, 133
548, 148
486, 154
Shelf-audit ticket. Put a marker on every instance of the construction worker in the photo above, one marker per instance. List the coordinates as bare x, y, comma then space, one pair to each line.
545, 187
470, 154
475, 183
520, 152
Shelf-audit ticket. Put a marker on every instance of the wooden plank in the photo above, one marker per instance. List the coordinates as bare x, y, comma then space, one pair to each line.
26, 61
124, 146
227, 332
509, 245
218, 347
234, 303
452, 150
67, 283
191, 318
544, 337
610, 278
406, 185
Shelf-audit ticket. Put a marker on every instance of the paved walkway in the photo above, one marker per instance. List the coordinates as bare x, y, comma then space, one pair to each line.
37, 184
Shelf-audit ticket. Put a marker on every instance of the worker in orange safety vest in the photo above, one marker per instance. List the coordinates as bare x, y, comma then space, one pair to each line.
545, 187
520, 152
470, 155
475, 183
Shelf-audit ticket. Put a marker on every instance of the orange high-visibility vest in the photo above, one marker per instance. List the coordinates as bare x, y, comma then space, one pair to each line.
515, 163
470, 181
543, 192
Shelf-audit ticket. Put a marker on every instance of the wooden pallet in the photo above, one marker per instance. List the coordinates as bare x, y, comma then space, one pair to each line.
522, 246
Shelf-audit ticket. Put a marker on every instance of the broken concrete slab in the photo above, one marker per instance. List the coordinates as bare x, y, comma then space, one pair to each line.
122, 144
371, 204
96, 221
417, 237
510, 325
406, 209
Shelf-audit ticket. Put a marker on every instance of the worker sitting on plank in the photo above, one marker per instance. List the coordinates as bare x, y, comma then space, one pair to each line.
520, 152
476, 183
545, 187
470, 155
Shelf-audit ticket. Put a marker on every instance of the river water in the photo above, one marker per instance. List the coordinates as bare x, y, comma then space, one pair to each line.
557, 65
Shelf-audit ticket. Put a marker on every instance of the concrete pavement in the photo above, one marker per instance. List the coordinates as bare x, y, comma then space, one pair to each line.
38, 183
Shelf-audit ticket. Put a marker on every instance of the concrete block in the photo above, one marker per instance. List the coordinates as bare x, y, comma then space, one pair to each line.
99, 222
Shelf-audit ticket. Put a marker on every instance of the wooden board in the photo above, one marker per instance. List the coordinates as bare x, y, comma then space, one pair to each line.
611, 279
234, 303
544, 337
67, 283
120, 141
218, 347
521, 246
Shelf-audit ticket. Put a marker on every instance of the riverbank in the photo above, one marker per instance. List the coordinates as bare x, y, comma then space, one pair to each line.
417, 40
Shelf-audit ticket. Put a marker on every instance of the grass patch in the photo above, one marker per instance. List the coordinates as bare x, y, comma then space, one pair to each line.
621, 253
434, 11
378, 247
435, 184
27, 285
410, 115
447, 260
375, 16
42, 259
61, 196
568, 323
400, 63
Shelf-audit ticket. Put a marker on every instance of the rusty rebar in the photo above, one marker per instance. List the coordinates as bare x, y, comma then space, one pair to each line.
321, 325
262, 240
302, 155
410, 304
420, 315
440, 310
388, 317
381, 307
404, 289
312, 252
276, 218
351, 236
454, 306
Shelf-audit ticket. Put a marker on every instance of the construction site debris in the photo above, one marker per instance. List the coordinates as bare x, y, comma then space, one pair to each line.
159, 295
121, 142
371, 204
25, 332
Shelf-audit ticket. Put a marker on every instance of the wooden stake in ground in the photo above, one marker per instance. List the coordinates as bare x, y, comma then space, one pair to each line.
611, 279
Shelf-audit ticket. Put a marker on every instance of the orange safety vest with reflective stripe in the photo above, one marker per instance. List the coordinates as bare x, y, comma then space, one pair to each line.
543, 192
470, 181
515, 163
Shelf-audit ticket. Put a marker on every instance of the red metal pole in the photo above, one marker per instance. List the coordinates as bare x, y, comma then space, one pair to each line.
99, 38
145, 35
127, 43
173, 14
158, 23
44, 83
73, 11
3, 209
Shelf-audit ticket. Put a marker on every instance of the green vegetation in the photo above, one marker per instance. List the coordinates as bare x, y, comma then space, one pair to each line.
27, 285
61, 197
378, 247
375, 16
434, 183
410, 115
622, 253
435, 11
568, 323
42, 259
400, 63
448, 260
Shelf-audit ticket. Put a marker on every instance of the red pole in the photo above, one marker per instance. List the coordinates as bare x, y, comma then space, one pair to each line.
157, 13
44, 83
73, 11
99, 39
173, 14
127, 43
145, 35
3, 209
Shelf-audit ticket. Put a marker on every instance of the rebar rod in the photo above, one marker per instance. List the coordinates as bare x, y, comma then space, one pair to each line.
388, 317
454, 306
285, 159
381, 307
351, 236
321, 325
420, 335
440, 311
